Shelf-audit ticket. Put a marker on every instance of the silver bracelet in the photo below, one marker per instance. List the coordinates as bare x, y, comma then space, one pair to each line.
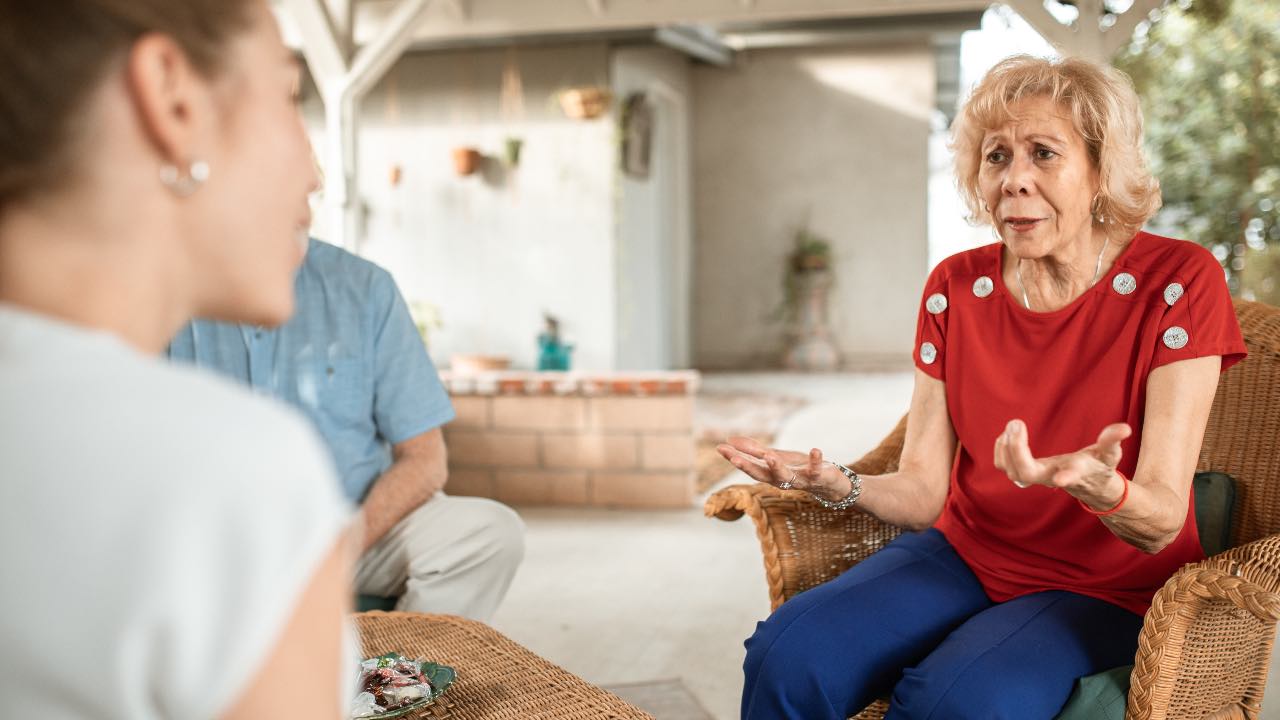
855, 490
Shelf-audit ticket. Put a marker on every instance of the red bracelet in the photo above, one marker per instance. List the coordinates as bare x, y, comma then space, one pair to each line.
1124, 496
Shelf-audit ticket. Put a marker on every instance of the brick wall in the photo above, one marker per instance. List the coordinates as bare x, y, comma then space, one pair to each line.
613, 440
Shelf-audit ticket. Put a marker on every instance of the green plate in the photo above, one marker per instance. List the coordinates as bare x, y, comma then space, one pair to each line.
440, 677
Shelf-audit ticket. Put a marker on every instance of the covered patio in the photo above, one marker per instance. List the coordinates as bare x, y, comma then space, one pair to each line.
658, 246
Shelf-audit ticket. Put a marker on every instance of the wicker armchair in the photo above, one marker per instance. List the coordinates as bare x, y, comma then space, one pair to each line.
1205, 645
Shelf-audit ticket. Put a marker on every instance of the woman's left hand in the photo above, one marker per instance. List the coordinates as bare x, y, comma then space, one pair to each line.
1086, 473
783, 469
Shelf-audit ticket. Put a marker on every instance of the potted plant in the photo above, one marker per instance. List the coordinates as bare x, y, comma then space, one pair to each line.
806, 285
553, 352
511, 149
426, 317
812, 252
810, 256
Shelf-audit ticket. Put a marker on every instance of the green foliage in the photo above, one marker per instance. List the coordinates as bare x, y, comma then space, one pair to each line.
1208, 73
426, 317
811, 251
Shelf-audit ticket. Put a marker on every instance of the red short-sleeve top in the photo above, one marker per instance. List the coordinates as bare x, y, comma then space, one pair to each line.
1067, 374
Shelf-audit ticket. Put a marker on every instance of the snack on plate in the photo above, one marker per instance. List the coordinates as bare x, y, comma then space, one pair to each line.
388, 683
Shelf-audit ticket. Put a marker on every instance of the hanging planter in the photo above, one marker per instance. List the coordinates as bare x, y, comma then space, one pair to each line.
511, 151
466, 160
586, 102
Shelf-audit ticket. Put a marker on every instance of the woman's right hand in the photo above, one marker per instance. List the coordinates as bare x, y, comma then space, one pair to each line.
785, 469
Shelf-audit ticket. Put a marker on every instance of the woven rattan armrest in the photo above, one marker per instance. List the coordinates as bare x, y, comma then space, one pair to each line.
804, 544
1205, 646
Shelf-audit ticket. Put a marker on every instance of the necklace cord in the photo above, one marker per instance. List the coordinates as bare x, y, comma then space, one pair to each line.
1097, 272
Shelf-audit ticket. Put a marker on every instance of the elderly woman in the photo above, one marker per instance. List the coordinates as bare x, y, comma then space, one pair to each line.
1064, 380
171, 546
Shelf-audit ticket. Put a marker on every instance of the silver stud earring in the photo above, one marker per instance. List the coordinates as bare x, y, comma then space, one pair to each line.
1095, 209
184, 185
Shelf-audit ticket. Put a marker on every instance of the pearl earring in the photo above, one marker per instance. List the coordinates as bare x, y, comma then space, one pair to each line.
184, 185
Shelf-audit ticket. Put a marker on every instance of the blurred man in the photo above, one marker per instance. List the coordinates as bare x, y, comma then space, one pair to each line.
352, 360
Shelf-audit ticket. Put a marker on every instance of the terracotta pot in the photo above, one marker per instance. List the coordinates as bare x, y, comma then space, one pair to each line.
471, 364
466, 160
585, 103
804, 263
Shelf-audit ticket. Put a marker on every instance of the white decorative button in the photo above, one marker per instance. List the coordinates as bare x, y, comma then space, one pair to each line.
928, 353
1175, 338
1172, 293
936, 303
983, 286
1124, 284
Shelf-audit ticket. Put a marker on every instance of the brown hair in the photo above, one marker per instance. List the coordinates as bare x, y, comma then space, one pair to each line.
53, 55
1103, 108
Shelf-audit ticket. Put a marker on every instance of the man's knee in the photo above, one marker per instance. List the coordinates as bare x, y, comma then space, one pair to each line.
503, 531
493, 531
469, 531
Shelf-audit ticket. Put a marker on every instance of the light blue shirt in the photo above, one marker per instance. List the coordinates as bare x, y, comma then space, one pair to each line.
350, 358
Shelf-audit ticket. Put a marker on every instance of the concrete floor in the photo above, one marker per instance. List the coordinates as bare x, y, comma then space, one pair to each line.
619, 597
631, 596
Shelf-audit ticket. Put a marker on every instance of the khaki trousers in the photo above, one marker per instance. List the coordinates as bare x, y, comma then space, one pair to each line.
452, 555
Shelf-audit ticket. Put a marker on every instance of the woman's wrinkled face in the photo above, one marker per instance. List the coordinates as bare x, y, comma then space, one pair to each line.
254, 207
1037, 179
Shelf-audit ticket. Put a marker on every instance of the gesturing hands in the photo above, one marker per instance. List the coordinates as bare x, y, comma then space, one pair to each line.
1086, 472
781, 468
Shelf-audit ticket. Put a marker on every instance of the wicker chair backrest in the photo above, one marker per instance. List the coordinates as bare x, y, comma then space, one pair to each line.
1243, 436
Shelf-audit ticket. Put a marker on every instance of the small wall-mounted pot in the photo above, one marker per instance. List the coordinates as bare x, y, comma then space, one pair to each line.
466, 160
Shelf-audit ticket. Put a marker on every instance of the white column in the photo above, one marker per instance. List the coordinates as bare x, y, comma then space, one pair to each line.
344, 75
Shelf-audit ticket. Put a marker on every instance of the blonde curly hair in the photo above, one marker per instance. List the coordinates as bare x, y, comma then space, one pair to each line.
1103, 108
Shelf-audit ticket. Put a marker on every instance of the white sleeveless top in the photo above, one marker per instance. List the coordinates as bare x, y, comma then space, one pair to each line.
157, 528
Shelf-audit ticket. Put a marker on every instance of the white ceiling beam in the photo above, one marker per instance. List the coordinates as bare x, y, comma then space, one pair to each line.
380, 53
514, 18
1085, 37
693, 43
342, 17
1042, 21
1087, 31
1119, 34
320, 45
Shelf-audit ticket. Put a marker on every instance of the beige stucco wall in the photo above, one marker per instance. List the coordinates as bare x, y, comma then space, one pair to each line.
835, 136
494, 250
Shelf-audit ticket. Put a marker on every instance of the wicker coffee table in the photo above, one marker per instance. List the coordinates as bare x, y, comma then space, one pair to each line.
497, 679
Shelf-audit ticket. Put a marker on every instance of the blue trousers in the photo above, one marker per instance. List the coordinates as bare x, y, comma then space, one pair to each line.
912, 623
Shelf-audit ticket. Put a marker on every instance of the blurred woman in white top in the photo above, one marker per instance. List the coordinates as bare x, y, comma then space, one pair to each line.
171, 546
